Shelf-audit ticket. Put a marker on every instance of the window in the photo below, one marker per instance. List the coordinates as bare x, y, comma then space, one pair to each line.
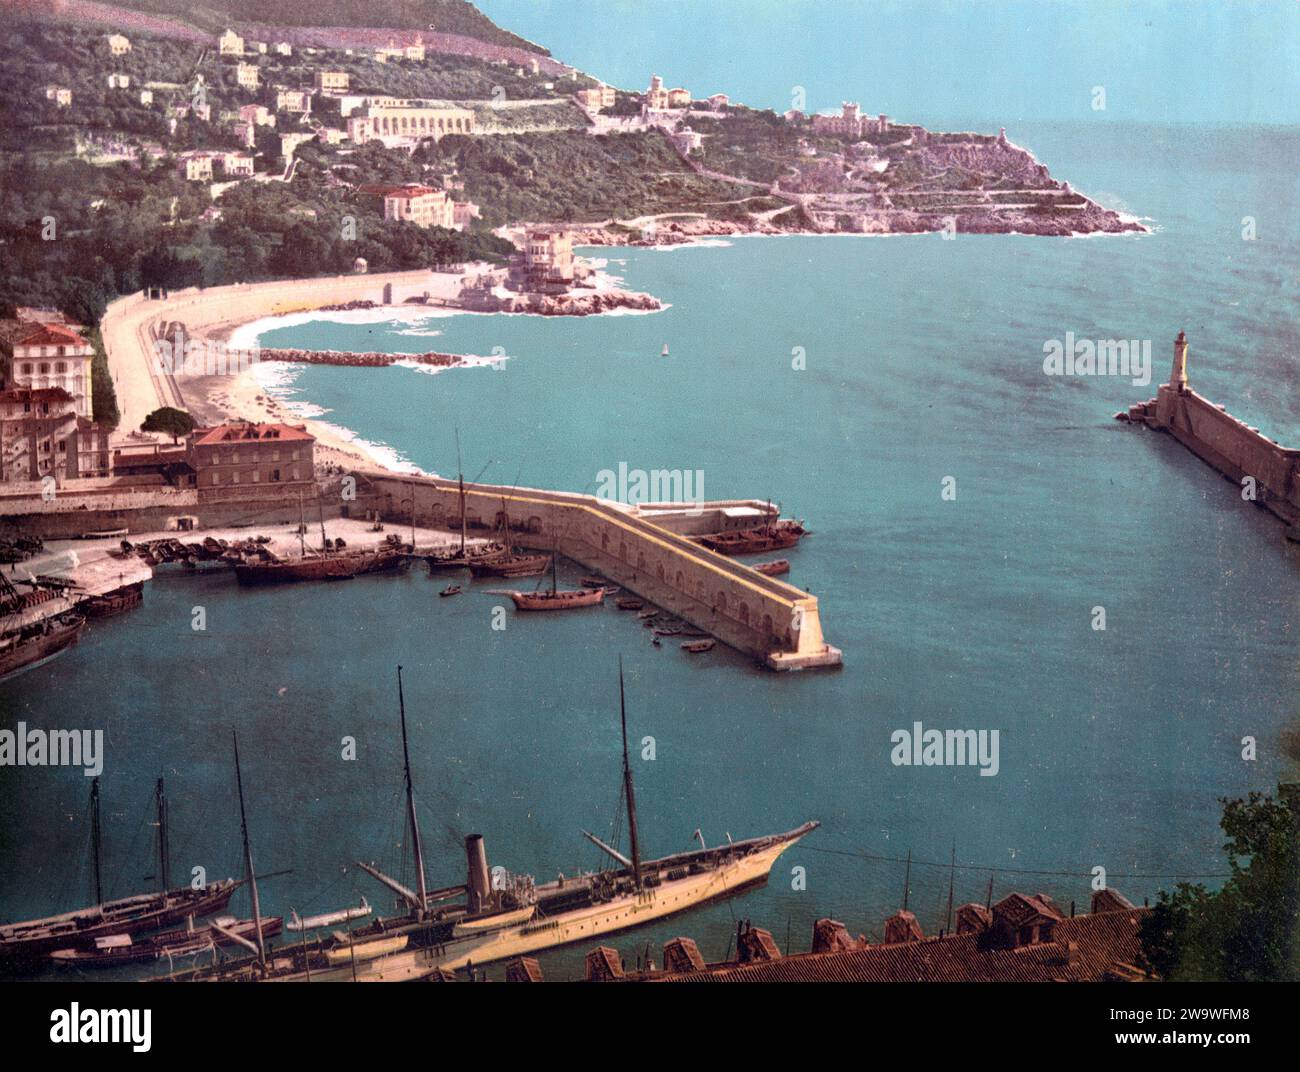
216, 478
275, 474
61, 366
234, 477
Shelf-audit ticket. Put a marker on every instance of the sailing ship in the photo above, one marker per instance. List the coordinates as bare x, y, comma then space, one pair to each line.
770, 536
512, 915
556, 599
329, 563
21, 942
464, 555
508, 563
119, 949
665, 351
35, 644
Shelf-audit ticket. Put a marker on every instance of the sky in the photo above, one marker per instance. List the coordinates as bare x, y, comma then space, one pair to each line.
1196, 61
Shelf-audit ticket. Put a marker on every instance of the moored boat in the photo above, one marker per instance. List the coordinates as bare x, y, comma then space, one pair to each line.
78, 929
24, 649
120, 949
509, 564
557, 599
699, 647
114, 602
775, 568
508, 916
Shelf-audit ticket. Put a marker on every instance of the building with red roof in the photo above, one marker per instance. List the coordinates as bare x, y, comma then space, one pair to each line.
243, 459
1022, 939
39, 354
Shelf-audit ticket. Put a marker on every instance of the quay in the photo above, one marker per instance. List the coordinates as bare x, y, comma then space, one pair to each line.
644, 549
1235, 449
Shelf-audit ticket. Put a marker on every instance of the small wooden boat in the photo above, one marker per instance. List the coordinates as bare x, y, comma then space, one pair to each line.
774, 568
557, 599
699, 647
775, 537
593, 581
509, 565
629, 604
328, 919
114, 602
346, 951
451, 590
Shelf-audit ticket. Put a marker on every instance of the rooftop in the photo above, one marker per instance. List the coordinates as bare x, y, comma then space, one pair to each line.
247, 432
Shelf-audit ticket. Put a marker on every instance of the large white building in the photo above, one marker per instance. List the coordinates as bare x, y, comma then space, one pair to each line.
403, 121
41, 355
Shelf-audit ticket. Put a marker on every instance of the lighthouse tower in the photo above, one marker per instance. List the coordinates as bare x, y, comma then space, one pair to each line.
1178, 375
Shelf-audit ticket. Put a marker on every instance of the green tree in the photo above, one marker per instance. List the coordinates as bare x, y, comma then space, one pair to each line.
172, 422
1249, 931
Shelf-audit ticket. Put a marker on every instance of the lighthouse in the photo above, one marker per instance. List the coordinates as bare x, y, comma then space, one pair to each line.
1178, 375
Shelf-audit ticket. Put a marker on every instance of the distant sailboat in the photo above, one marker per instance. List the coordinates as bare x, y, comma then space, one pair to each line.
665, 353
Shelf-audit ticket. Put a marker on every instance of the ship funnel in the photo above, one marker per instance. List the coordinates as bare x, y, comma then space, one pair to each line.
478, 881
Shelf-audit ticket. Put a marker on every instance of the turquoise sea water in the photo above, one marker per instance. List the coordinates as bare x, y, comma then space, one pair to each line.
924, 360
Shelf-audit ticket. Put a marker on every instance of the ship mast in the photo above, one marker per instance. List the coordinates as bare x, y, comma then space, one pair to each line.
164, 855
422, 891
627, 783
96, 840
302, 528
460, 474
248, 857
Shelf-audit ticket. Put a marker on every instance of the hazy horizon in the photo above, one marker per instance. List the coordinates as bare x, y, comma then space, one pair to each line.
1010, 61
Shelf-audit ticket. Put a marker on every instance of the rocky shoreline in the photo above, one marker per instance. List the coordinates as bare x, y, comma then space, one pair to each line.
1089, 218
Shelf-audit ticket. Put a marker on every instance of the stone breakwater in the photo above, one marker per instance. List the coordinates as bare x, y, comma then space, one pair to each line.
346, 357
561, 304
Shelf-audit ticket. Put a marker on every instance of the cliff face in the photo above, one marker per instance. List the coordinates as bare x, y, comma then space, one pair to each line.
988, 157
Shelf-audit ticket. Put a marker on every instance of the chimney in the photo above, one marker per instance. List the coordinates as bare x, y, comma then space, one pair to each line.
756, 944
524, 970
682, 955
604, 965
1178, 376
902, 927
477, 880
831, 936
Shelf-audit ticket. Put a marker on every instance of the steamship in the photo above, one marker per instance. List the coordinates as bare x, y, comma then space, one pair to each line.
514, 916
